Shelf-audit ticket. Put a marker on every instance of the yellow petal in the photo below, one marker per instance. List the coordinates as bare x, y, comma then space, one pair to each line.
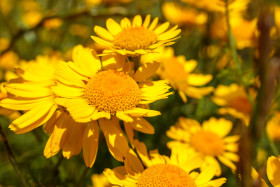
113, 27
90, 143
161, 28
130, 133
125, 22
103, 33
147, 21
86, 60
24, 104
137, 21
28, 90
121, 115
67, 91
169, 34
115, 139
273, 170
101, 41
221, 126
146, 71
57, 139
153, 24
199, 79
138, 112
74, 139
65, 75
142, 125
33, 118
205, 176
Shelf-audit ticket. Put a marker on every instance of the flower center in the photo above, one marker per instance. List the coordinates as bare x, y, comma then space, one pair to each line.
174, 70
112, 91
165, 175
208, 143
135, 38
241, 104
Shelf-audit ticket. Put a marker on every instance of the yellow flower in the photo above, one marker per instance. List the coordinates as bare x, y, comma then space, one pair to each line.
215, 5
159, 170
99, 180
273, 127
136, 38
244, 31
234, 101
176, 14
177, 71
273, 170
210, 139
90, 92
31, 92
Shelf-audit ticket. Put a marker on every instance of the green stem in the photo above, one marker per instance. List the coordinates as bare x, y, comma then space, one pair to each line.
272, 146
232, 44
12, 157
82, 178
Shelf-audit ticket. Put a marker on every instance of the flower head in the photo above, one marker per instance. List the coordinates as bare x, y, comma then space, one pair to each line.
234, 101
177, 71
114, 93
159, 170
135, 38
209, 139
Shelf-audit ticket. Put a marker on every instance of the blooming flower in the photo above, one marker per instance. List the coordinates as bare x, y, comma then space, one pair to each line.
234, 101
176, 14
210, 139
177, 71
135, 38
159, 170
90, 93
32, 93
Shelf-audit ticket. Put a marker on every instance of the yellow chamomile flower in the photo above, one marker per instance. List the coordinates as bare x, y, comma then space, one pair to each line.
177, 14
90, 92
273, 127
210, 139
157, 170
177, 71
273, 170
135, 38
234, 100
31, 92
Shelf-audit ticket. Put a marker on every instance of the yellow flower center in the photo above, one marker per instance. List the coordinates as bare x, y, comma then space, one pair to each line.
165, 175
174, 70
134, 38
112, 91
208, 143
241, 104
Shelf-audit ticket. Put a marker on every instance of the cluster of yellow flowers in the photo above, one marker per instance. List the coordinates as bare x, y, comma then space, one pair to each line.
112, 91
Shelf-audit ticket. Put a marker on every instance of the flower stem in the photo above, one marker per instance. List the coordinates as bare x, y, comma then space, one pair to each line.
12, 157
232, 44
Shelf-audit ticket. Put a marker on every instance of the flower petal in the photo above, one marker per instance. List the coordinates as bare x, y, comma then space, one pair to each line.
146, 71
103, 33
116, 141
90, 143
113, 26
